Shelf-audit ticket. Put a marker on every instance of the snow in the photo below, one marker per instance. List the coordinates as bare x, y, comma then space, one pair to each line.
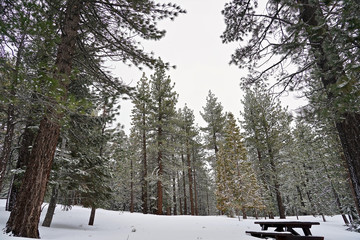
136, 226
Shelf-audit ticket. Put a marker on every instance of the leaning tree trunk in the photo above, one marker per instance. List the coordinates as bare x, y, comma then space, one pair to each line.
24, 219
347, 123
51, 209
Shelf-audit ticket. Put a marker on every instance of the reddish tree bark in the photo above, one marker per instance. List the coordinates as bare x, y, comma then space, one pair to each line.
24, 219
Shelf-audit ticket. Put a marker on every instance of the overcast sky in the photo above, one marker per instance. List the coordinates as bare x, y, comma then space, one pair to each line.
193, 44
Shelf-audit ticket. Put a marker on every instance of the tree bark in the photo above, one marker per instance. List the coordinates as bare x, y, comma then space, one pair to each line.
160, 173
131, 186
144, 185
51, 209
24, 154
174, 195
348, 123
184, 184
92, 216
180, 198
24, 219
188, 158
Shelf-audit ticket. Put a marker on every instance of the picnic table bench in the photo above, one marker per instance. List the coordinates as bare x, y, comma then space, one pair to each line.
284, 230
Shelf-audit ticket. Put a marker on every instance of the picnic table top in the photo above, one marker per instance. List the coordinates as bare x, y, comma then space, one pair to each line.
286, 223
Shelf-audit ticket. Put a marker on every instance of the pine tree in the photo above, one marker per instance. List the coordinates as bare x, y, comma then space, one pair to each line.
215, 118
266, 127
102, 24
317, 38
140, 122
237, 187
162, 114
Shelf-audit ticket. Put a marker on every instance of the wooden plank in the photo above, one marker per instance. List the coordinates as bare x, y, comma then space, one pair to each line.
263, 234
299, 237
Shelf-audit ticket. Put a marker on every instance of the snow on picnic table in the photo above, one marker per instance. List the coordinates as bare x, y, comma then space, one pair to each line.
113, 225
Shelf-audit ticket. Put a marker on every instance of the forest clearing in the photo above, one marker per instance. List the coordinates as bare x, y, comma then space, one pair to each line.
112, 225
183, 150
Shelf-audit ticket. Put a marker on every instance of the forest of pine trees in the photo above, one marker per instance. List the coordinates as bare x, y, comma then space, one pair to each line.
59, 141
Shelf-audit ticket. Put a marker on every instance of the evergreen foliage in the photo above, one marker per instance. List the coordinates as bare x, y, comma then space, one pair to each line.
236, 183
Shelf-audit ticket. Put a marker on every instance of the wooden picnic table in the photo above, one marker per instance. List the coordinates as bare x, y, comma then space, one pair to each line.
288, 226
285, 230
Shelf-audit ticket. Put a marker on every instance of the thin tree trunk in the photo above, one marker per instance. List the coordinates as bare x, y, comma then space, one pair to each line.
180, 198
336, 196
208, 203
192, 209
184, 185
144, 185
160, 173
24, 219
174, 195
92, 216
51, 209
196, 196
131, 186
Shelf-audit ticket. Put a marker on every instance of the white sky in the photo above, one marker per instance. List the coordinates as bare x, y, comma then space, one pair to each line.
193, 44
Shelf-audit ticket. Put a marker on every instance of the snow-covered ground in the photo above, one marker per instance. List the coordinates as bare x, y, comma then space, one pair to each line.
112, 225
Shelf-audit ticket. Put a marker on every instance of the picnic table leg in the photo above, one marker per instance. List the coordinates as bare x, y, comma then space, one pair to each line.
289, 229
264, 227
307, 231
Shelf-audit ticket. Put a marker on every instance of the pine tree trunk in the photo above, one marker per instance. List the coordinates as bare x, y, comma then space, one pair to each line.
144, 185
180, 198
184, 185
348, 124
92, 216
24, 154
196, 196
51, 209
192, 209
24, 218
336, 196
244, 213
160, 174
208, 203
131, 186
174, 195
279, 201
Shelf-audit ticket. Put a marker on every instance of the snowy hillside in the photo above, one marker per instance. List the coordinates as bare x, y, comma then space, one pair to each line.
112, 225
